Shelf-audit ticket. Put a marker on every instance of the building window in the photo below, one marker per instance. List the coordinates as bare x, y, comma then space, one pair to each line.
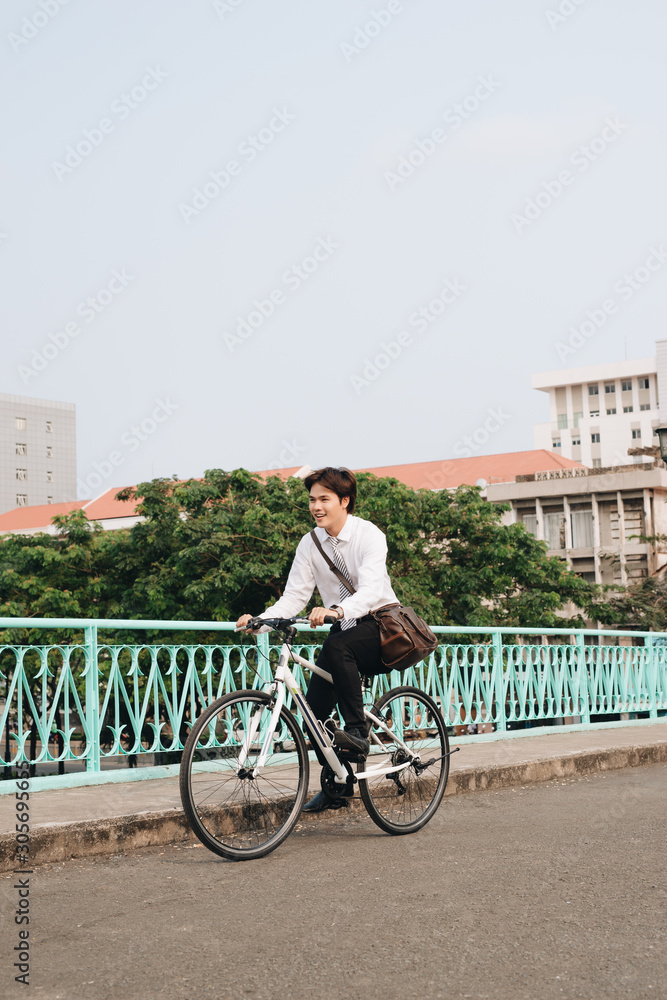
21, 449
49, 477
19, 423
554, 530
610, 388
587, 575
643, 383
22, 474
49, 499
575, 442
49, 426
594, 413
555, 443
627, 409
597, 463
49, 451
595, 438
593, 390
627, 386
530, 523
644, 406
562, 421
582, 529
611, 411
637, 435
576, 418
21, 499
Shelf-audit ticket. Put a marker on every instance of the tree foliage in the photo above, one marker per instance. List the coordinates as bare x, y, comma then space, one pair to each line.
211, 549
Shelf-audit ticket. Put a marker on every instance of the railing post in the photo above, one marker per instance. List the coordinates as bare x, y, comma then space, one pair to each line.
584, 698
263, 665
501, 721
92, 699
652, 677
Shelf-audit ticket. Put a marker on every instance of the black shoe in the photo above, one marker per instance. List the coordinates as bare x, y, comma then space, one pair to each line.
353, 740
321, 802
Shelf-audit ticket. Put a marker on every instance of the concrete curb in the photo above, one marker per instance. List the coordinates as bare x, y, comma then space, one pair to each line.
54, 842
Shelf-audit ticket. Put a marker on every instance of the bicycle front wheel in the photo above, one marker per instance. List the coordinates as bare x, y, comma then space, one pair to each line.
405, 799
236, 811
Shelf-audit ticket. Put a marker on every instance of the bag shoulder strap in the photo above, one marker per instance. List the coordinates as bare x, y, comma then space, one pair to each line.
346, 583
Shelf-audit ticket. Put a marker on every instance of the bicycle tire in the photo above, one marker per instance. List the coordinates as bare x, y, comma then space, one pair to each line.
235, 814
405, 801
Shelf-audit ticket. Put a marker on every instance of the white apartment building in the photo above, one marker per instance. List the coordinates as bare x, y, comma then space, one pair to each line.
598, 412
37, 452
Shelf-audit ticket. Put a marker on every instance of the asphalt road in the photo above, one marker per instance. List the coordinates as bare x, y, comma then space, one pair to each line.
555, 890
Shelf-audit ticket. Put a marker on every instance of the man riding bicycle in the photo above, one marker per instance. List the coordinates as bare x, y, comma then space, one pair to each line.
358, 549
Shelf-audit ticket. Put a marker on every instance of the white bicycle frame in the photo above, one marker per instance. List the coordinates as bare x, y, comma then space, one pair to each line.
284, 679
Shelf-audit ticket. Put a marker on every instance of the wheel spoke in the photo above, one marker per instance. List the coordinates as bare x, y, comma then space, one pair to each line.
233, 811
405, 802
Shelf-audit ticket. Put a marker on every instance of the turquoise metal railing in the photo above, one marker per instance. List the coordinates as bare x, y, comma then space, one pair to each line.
89, 700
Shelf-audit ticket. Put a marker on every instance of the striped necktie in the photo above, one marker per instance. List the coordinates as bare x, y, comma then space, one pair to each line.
345, 623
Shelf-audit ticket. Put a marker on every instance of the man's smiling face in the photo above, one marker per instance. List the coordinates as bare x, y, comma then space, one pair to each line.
329, 511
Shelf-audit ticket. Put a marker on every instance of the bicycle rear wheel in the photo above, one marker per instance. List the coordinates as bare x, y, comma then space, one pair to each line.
403, 801
235, 813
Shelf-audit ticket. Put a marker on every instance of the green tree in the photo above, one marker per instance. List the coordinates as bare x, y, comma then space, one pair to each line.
216, 547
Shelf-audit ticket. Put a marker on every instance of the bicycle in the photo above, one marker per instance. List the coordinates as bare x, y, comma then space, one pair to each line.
245, 765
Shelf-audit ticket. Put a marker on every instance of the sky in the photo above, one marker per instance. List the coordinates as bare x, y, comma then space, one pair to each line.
244, 233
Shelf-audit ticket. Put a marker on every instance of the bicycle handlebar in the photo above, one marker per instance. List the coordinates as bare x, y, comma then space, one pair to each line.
280, 623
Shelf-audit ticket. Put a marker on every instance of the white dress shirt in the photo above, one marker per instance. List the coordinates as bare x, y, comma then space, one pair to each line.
363, 548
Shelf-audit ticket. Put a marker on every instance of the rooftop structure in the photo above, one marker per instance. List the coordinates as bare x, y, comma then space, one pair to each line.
598, 412
453, 472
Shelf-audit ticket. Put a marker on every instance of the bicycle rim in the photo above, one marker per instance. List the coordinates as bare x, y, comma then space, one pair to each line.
405, 800
234, 813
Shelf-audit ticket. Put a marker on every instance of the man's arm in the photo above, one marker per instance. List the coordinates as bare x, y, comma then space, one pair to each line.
298, 589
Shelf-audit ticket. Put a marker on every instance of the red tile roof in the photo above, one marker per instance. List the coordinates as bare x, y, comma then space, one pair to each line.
41, 515
453, 472
107, 506
447, 474
24, 518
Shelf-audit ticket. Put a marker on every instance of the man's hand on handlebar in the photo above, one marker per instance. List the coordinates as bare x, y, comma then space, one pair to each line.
242, 623
317, 616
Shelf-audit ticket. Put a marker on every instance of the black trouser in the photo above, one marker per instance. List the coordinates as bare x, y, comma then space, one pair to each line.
347, 655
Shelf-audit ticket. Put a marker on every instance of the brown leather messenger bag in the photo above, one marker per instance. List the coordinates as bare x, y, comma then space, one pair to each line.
405, 638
